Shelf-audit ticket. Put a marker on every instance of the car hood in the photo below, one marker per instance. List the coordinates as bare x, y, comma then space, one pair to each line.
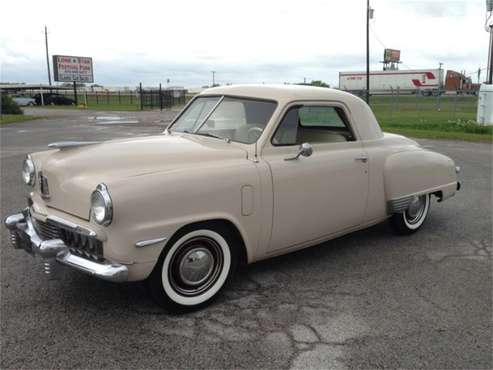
73, 173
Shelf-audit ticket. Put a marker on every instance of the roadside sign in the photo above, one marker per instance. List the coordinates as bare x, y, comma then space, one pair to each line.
68, 68
391, 56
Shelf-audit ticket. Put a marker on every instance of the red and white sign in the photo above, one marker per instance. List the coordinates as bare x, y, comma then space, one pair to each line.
70, 68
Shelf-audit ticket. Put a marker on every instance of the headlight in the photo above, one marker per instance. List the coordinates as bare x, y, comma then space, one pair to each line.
28, 171
101, 205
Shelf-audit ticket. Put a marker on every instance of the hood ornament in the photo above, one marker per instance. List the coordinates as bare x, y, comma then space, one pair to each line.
71, 144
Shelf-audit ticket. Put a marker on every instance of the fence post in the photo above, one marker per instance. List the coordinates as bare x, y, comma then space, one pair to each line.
455, 105
119, 97
160, 97
397, 99
391, 103
141, 97
439, 108
75, 93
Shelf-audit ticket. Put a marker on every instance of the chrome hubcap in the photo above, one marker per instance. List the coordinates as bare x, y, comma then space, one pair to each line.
196, 266
416, 209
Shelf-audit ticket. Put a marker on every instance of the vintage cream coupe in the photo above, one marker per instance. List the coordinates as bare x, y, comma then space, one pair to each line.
242, 174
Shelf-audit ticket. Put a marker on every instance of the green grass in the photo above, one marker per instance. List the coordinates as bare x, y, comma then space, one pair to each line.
111, 102
446, 117
12, 118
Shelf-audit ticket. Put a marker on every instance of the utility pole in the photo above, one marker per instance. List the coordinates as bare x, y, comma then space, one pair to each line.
369, 13
47, 56
490, 58
213, 78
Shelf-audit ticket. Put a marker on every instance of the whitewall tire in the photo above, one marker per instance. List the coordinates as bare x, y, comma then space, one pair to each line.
414, 217
194, 267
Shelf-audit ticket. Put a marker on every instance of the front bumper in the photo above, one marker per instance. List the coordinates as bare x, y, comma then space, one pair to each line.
23, 235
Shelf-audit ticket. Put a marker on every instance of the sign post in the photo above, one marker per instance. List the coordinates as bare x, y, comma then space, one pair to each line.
67, 68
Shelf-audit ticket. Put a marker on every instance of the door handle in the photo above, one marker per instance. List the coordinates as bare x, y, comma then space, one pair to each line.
363, 158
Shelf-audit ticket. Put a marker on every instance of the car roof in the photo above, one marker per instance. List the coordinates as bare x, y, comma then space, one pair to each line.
363, 118
280, 92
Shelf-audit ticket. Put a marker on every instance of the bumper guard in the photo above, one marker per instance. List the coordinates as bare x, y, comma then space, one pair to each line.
23, 235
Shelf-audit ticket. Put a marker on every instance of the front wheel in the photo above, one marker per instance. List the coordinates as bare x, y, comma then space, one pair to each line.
412, 219
193, 268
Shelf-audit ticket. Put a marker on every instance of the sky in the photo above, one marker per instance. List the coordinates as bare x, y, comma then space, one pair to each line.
249, 41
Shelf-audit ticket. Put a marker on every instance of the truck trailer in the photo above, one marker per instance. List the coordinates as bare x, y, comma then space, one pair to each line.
428, 81
425, 81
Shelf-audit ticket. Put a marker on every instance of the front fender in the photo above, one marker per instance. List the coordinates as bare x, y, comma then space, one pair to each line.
157, 205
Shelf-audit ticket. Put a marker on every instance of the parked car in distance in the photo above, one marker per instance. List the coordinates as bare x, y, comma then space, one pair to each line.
242, 174
53, 99
24, 100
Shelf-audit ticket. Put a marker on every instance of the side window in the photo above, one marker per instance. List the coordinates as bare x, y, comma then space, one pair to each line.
312, 124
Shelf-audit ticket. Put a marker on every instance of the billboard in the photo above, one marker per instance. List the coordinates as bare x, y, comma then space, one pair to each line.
68, 68
391, 56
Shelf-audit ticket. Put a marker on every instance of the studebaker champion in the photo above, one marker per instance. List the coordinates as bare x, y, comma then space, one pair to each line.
243, 173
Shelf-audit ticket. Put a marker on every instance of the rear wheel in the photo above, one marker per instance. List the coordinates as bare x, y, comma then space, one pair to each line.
194, 267
412, 219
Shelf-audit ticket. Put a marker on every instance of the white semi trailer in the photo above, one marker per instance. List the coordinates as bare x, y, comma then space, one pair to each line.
427, 81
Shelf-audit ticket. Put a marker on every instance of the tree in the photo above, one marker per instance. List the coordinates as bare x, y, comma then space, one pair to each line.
319, 83
9, 106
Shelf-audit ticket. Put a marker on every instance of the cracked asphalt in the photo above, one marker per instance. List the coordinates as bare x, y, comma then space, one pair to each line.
366, 300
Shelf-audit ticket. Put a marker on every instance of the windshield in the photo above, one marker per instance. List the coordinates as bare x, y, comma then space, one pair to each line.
235, 119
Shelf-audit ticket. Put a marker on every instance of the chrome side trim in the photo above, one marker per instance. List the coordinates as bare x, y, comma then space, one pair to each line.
71, 144
111, 272
399, 205
145, 243
70, 225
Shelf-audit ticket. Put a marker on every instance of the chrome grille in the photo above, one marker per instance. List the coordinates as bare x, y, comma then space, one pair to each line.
78, 244
45, 230
82, 245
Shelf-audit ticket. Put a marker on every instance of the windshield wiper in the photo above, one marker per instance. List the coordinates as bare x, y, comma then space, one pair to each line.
208, 134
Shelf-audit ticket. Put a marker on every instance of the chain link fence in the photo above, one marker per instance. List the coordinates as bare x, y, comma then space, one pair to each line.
396, 107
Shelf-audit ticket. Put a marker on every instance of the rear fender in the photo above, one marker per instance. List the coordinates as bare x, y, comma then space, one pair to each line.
412, 173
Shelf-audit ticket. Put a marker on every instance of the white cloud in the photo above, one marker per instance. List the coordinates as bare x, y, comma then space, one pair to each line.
244, 41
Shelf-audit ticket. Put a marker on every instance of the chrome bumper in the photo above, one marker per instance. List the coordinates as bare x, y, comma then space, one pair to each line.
23, 235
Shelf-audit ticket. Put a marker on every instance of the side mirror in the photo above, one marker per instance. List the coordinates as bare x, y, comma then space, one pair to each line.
306, 150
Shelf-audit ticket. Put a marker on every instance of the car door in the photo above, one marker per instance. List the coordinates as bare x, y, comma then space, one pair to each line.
324, 193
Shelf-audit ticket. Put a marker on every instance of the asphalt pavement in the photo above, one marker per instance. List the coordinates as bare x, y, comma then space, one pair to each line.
367, 300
